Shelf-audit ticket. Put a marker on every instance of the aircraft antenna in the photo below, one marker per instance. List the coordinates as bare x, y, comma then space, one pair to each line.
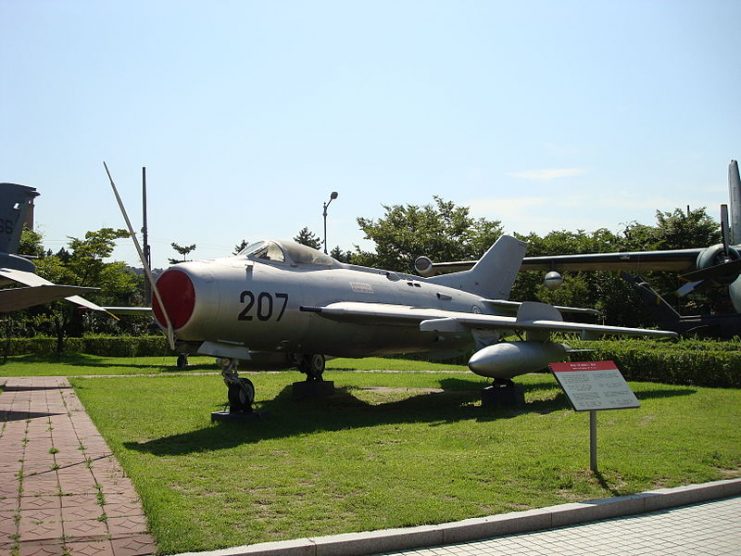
155, 290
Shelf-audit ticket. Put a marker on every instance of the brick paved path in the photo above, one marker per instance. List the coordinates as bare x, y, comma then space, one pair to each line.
61, 490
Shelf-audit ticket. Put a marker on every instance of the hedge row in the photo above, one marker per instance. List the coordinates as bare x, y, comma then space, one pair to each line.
689, 362
713, 364
111, 346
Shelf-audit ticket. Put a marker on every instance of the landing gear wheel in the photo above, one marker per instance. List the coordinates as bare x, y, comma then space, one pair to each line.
312, 366
241, 396
503, 383
182, 361
503, 393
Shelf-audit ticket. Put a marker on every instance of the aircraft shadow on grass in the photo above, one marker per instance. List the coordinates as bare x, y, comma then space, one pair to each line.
285, 417
85, 360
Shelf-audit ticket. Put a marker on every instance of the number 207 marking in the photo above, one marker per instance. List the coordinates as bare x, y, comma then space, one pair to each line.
261, 305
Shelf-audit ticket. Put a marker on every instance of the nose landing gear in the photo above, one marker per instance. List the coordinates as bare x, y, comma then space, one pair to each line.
241, 392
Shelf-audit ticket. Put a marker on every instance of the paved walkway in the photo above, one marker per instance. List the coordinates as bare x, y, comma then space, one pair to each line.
711, 528
61, 490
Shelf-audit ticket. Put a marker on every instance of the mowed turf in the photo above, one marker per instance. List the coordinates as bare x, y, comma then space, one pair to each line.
390, 450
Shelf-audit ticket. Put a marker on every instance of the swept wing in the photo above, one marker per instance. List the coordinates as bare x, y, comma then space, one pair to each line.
15, 299
35, 281
531, 317
677, 260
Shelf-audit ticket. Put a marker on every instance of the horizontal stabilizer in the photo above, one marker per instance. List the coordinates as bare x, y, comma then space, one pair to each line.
532, 311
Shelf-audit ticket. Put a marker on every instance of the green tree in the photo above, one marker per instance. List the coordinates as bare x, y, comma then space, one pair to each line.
675, 229
241, 245
441, 231
340, 255
184, 250
31, 243
308, 238
84, 264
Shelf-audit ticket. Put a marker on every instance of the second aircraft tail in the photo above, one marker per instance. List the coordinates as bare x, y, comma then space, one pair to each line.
15, 202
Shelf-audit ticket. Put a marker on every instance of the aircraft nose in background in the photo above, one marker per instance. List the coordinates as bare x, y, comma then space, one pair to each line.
178, 297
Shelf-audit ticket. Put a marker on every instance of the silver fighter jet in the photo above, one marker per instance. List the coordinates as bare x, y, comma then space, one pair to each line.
278, 304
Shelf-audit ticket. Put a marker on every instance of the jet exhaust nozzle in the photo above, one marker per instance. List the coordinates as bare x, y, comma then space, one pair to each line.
506, 360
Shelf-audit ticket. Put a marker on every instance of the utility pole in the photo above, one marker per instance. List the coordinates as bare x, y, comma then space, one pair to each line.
145, 235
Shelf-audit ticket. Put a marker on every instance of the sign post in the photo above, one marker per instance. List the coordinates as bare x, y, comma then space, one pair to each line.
593, 441
594, 386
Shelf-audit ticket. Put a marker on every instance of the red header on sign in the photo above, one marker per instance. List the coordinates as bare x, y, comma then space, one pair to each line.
582, 366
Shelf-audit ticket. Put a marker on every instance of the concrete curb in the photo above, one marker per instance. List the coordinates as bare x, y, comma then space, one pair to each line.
389, 540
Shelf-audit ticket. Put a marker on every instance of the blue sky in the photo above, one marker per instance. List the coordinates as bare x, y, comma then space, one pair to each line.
544, 115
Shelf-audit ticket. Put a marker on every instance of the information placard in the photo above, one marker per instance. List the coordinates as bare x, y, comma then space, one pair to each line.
594, 385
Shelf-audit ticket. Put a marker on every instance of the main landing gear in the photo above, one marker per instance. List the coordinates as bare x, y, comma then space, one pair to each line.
312, 365
503, 393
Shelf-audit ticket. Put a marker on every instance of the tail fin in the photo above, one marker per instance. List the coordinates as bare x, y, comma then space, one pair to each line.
493, 275
734, 194
15, 203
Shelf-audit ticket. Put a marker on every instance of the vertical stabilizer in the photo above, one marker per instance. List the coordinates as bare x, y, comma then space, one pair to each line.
734, 195
15, 203
493, 275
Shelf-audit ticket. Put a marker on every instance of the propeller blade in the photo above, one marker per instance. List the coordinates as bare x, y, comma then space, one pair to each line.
688, 288
724, 228
142, 258
719, 271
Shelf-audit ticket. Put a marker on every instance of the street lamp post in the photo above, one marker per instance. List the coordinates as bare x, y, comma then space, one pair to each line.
332, 197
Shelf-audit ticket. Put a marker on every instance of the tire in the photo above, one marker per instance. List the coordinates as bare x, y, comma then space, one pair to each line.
313, 366
242, 395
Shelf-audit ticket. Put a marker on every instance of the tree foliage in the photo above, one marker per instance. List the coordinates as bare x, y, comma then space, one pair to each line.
239, 246
184, 250
84, 263
440, 230
445, 232
308, 238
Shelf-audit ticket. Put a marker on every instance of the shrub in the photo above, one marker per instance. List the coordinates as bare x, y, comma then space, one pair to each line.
112, 346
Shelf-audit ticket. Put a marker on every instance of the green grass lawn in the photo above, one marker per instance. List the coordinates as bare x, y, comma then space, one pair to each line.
389, 450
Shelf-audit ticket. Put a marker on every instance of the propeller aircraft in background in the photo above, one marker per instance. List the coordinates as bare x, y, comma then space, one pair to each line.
719, 264
278, 304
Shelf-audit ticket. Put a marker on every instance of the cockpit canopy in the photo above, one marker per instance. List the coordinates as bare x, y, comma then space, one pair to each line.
287, 252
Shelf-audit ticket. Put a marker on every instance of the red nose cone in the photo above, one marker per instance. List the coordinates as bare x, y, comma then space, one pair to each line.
178, 296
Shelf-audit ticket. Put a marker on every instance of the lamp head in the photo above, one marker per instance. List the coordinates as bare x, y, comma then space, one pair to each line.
333, 195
